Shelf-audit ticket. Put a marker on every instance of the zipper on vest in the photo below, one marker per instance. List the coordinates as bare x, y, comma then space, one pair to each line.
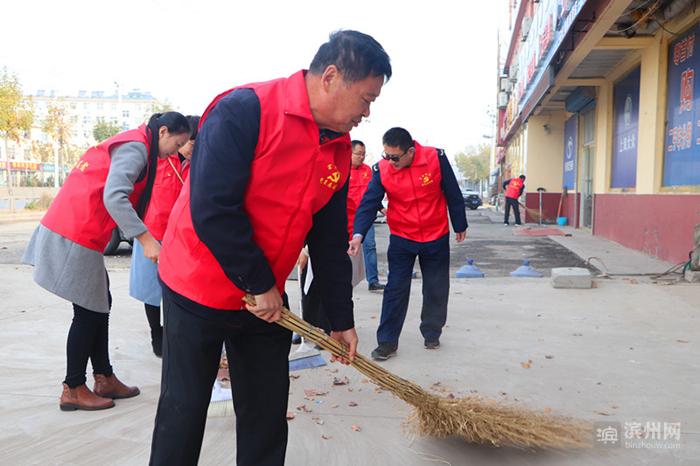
415, 196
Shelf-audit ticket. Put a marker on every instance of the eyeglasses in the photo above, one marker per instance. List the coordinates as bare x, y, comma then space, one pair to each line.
393, 158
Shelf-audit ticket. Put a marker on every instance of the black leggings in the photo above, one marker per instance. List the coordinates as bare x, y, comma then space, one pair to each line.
87, 338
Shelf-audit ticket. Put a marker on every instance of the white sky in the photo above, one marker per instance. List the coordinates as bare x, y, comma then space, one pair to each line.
443, 54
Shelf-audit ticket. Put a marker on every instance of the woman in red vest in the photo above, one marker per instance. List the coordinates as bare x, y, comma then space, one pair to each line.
110, 186
143, 277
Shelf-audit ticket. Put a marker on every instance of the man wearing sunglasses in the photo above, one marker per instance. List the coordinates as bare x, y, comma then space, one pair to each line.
421, 188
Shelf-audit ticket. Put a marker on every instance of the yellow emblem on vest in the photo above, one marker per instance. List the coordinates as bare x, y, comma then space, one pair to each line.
426, 179
331, 180
82, 165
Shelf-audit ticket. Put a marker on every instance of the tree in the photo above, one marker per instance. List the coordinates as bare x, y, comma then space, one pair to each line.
16, 114
42, 151
58, 127
103, 130
473, 163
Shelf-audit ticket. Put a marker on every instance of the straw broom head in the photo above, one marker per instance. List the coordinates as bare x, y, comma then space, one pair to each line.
474, 419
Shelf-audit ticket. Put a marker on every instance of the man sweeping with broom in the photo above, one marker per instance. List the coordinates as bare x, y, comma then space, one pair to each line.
268, 173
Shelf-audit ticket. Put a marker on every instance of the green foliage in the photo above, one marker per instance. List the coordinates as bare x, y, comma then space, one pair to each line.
42, 203
16, 112
103, 130
473, 163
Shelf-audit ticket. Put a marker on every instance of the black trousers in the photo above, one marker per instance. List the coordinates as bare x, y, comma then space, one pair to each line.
258, 365
510, 202
88, 338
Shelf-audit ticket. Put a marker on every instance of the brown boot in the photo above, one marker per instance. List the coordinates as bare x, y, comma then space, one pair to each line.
112, 387
81, 397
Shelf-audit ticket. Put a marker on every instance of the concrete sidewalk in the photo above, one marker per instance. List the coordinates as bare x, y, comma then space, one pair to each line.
623, 353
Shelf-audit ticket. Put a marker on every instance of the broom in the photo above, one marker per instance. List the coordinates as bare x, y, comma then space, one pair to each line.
474, 419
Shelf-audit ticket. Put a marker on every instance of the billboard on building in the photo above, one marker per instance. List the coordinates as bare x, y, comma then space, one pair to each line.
570, 151
682, 140
625, 131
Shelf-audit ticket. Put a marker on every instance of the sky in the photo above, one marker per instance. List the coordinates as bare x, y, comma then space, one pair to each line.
443, 54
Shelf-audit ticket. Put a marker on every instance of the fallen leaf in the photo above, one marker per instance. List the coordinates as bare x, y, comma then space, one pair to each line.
682, 341
548, 356
355, 427
548, 410
502, 393
451, 396
290, 415
334, 406
352, 404
614, 406
294, 376
333, 371
326, 437
303, 408
314, 392
343, 381
526, 365
317, 420
602, 413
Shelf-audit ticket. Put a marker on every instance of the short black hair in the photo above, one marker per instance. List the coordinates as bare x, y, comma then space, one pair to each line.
356, 55
357, 142
398, 137
193, 120
522, 177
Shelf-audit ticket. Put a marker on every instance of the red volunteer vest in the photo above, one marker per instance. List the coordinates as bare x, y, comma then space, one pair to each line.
292, 177
166, 188
359, 181
417, 207
513, 188
78, 212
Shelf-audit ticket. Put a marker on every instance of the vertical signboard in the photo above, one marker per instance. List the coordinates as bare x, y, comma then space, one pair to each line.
570, 149
626, 108
682, 141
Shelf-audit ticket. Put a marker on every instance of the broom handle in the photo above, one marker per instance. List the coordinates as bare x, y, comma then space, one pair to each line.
404, 389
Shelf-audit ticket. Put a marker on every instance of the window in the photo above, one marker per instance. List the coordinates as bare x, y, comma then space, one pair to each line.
125, 114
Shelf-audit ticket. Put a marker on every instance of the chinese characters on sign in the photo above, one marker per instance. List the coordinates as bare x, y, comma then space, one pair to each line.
570, 151
682, 139
626, 107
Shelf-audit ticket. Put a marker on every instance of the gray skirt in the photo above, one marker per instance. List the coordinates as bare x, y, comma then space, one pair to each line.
68, 270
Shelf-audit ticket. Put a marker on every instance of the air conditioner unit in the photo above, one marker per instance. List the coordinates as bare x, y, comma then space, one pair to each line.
503, 85
525, 27
502, 100
513, 72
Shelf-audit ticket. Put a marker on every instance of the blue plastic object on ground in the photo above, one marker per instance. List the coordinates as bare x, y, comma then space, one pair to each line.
525, 270
469, 270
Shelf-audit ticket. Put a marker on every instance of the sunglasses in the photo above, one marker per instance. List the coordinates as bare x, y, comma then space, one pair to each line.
393, 158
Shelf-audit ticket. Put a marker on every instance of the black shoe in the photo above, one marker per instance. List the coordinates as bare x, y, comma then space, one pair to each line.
384, 351
157, 341
432, 344
376, 286
296, 338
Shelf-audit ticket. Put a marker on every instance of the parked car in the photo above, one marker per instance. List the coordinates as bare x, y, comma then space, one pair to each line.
472, 200
115, 241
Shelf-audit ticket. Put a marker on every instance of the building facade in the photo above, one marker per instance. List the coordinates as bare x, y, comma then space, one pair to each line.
597, 105
81, 113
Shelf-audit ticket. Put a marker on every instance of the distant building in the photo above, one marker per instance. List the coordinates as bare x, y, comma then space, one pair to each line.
83, 111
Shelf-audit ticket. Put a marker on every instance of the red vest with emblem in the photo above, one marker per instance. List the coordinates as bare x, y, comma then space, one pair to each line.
513, 188
292, 177
359, 181
78, 212
166, 187
417, 207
